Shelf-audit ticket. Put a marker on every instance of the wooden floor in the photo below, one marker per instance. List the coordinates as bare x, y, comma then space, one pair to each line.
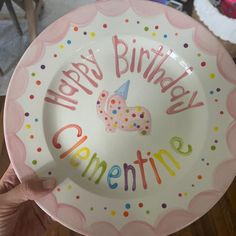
219, 221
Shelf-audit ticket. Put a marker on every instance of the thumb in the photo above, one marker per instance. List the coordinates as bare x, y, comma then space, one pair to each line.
30, 190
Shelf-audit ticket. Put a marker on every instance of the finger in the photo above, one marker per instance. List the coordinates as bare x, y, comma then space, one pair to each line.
8, 180
30, 190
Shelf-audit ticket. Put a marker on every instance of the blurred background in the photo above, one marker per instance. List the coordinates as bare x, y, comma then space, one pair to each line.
22, 20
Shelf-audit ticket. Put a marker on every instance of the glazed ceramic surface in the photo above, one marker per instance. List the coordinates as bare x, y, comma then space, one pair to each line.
130, 105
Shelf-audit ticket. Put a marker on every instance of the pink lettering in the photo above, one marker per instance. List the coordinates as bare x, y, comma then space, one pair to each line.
55, 100
118, 42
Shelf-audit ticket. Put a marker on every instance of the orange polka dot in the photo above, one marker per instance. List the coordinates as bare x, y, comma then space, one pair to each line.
38, 82
199, 177
76, 28
126, 214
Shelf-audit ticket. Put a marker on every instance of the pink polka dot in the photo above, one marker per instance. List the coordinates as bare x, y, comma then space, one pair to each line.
104, 26
39, 149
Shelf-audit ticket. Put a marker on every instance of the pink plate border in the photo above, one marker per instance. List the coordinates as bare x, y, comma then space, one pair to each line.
171, 220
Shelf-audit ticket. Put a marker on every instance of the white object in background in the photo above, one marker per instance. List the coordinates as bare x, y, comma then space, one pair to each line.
222, 26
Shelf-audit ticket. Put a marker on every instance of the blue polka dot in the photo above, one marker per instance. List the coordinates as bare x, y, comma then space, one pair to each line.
127, 206
134, 124
68, 41
165, 35
211, 92
114, 112
36, 120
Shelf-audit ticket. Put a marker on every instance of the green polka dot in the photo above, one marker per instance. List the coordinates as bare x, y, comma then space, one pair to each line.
33, 74
147, 212
199, 54
146, 28
213, 147
91, 208
34, 162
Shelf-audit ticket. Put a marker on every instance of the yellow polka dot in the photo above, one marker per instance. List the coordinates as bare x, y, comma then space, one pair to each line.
69, 187
92, 34
120, 114
212, 76
27, 126
138, 109
216, 128
154, 34
61, 46
113, 213
114, 125
131, 126
185, 194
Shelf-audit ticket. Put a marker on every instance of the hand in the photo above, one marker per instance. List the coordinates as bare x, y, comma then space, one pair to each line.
18, 215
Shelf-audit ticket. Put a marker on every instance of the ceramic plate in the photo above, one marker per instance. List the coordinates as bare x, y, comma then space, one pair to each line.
130, 106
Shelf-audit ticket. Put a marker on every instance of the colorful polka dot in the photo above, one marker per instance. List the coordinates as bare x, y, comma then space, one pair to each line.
39, 149
126, 20
91, 208
54, 55
127, 205
85, 33
221, 112
207, 163
31, 96
92, 34
61, 46
27, 114
147, 212
77, 197
146, 28
76, 28
203, 63
199, 177
165, 36
36, 120
69, 187
42, 67
114, 112
218, 90
27, 126
58, 189
113, 213
216, 141
213, 147
31, 136
180, 194
154, 34
34, 162
211, 92
104, 26
38, 82
113, 101
156, 27
33, 74
216, 128
212, 76
126, 213
185, 194
185, 45
68, 42
164, 205
140, 204
199, 54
